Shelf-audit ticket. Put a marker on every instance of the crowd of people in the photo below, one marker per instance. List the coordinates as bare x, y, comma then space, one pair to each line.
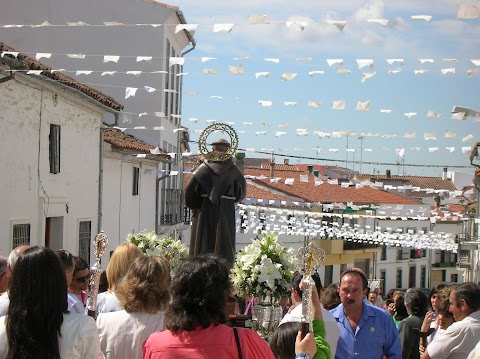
146, 312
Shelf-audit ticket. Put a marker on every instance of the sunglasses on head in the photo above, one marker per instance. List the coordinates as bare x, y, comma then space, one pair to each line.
82, 279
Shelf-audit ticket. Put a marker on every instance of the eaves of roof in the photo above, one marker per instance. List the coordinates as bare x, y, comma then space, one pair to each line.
118, 140
27, 63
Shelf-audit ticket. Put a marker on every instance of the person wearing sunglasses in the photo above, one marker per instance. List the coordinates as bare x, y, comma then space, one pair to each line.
80, 280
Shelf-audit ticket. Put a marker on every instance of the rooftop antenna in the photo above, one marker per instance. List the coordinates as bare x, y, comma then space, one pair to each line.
361, 138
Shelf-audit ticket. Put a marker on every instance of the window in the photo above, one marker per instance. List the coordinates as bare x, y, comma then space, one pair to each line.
399, 278
384, 253
328, 276
290, 223
423, 277
136, 177
383, 278
243, 220
403, 253
167, 80
84, 239
454, 278
262, 219
412, 277
20, 235
54, 148
415, 253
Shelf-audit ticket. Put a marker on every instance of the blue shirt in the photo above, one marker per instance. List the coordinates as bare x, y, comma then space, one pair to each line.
375, 336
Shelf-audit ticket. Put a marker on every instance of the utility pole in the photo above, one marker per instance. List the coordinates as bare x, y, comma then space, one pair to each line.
361, 152
346, 155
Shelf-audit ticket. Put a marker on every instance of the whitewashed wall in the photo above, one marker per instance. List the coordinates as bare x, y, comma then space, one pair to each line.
123, 212
28, 191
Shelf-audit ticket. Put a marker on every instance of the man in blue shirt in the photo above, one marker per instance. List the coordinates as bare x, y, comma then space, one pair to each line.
366, 332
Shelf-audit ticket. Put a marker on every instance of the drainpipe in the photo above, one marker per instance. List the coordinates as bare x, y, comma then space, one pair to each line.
157, 198
6, 78
100, 182
189, 35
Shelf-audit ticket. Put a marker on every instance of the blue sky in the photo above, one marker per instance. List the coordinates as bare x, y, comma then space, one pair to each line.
444, 37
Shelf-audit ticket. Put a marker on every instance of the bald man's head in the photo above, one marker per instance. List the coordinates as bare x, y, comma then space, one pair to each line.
14, 255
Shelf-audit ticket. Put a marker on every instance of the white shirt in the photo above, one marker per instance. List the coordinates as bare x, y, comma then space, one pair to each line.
475, 353
79, 339
458, 340
331, 327
4, 304
122, 334
107, 302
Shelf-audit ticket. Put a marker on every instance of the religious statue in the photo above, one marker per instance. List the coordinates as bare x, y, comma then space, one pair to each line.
212, 191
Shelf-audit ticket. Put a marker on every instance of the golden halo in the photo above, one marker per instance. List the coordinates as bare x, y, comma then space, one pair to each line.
218, 127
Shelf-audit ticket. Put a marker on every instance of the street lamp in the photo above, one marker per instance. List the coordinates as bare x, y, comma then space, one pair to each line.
466, 112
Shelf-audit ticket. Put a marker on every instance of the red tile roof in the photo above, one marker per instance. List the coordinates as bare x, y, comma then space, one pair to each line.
122, 141
27, 63
304, 168
326, 193
436, 183
279, 166
256, 192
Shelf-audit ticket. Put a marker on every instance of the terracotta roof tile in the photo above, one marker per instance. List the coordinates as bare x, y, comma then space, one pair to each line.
326, 193
304, 168
126, 142
436, 183
27, 63
279, 166
260, 193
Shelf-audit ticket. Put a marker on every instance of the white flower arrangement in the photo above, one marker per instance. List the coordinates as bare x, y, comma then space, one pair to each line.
150, 244
263, 269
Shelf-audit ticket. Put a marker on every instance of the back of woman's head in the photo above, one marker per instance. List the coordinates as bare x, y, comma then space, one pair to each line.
38, 300
331, 298
145, 287
283, 339
198, 290
400, 308
121, 259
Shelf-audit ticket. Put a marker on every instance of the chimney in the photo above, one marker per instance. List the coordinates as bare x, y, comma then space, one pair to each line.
388, 173
239, 156
272, 168
310, 168
286, 161
444, 174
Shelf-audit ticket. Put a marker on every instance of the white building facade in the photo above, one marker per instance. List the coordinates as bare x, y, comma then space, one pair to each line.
50, 141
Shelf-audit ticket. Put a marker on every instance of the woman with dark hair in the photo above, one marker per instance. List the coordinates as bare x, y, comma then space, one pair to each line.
444, 319
38, 324
143, 294
400, 310
68, 264
196, 316
80, 280
430, 324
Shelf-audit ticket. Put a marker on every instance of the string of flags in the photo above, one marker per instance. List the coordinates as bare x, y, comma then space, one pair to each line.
239, 69
464, 11
319, 225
